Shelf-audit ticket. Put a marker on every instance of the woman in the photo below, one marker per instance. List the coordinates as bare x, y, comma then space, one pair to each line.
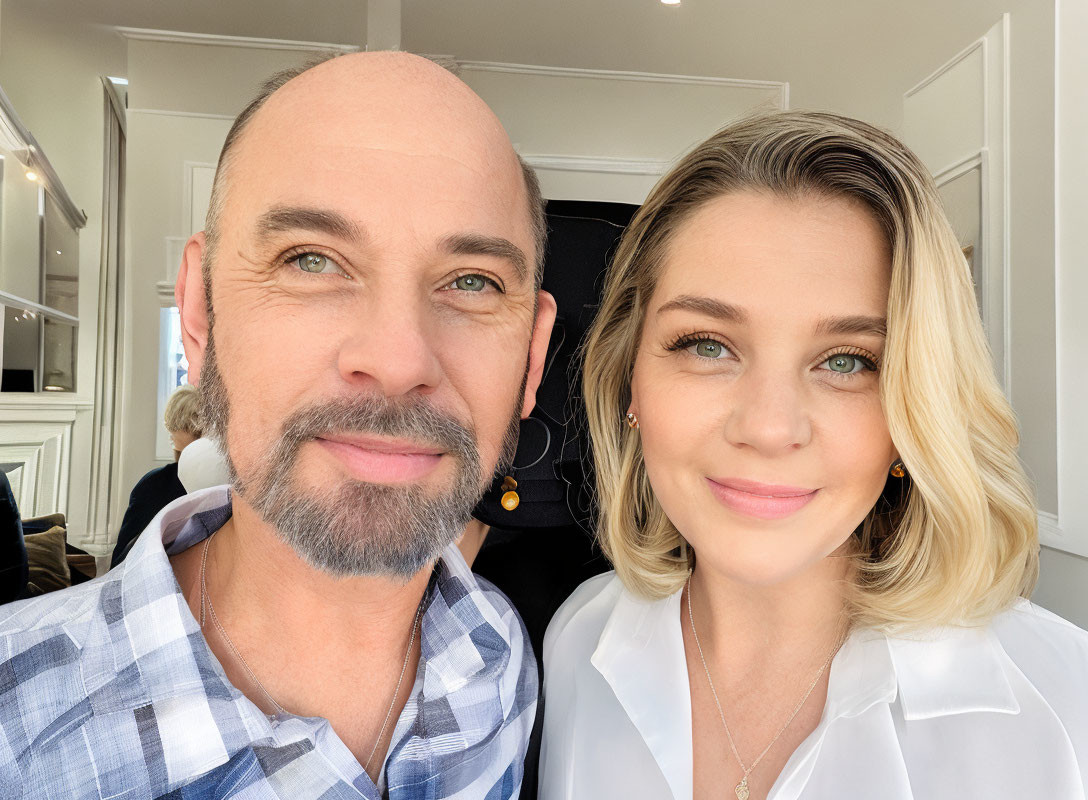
809, 489
184, 423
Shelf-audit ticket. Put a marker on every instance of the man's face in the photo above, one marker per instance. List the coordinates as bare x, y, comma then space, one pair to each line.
374, 306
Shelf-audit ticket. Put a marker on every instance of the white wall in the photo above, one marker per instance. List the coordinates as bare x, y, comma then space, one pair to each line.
50, 68
608, 135
1064, 584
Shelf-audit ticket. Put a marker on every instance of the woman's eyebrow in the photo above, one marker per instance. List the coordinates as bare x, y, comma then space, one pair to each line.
838, 326
707, 306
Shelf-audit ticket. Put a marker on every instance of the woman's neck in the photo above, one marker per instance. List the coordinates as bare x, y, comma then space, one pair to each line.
747, 628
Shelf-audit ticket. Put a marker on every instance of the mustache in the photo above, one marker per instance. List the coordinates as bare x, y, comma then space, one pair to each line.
412, 419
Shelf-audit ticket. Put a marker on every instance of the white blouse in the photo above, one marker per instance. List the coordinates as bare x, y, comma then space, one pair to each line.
996, 712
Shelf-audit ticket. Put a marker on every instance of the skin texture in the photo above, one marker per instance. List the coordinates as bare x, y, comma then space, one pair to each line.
408, 157
767, 593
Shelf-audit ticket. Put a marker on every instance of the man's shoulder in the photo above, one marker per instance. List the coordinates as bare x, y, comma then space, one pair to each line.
67, 611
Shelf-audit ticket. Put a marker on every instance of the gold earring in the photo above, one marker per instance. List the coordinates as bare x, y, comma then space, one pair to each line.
898, 470
510, 499
632, 420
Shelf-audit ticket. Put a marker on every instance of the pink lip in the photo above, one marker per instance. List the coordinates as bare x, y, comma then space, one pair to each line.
760, 500
375, 460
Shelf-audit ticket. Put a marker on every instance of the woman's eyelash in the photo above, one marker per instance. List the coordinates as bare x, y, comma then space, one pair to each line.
688, 339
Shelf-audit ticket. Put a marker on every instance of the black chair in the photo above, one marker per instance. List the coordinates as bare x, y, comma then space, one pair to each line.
13, 560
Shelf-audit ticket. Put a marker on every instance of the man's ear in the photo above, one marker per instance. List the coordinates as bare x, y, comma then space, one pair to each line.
538, 348
192, 303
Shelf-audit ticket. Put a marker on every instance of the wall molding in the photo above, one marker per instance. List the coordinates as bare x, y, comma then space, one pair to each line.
220, 40
783, 87
606, 164
948, 65
165, 112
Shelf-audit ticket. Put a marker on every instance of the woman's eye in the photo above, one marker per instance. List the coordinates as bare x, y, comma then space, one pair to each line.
469, 283
316, 263
845, 364
707, 348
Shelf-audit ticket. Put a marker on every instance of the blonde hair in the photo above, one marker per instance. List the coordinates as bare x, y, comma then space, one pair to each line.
184, 412
953, 543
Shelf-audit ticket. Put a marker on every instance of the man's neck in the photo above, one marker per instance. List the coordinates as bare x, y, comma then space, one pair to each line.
318, 645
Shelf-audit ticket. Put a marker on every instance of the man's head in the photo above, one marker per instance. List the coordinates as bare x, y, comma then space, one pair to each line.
372, 261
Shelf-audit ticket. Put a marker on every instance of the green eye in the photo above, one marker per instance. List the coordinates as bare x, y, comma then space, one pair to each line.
312, 262
843, 364
470, 283
708, 349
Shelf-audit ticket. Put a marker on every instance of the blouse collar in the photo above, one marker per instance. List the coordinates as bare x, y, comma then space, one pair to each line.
940, 672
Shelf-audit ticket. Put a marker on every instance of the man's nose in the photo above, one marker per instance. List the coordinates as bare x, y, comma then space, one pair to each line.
769, 412
389, 346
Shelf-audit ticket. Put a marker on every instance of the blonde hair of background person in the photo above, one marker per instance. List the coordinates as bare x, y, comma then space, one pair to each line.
961, 544
183, 417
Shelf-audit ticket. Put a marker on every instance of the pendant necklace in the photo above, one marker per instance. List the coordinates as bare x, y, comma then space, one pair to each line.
741, 789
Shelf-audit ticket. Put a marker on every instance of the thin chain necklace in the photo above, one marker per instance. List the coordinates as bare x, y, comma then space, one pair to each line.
741, 788
206, 602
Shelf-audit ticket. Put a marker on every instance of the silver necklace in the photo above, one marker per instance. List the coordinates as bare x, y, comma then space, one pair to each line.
741, 788
206, 602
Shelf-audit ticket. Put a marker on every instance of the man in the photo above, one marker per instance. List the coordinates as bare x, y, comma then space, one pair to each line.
363, 319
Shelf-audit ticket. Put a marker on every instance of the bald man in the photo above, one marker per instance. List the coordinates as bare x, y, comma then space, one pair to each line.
364, 320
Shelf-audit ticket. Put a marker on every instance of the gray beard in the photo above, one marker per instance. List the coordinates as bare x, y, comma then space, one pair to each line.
352, 528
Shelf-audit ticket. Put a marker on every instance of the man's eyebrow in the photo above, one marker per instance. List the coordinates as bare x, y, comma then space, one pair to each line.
707, 306
279, 219
477, 244
837, 326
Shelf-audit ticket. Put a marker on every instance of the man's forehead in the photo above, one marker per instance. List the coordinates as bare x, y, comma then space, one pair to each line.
394, 103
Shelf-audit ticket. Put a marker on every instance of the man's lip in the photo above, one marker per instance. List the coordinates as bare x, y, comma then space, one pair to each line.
400, 447
762, 489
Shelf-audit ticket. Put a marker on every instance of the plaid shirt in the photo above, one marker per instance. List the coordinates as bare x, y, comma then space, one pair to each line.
109, 690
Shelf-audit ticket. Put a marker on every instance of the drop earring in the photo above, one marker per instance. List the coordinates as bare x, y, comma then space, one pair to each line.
632, 420
898, 470
510, 497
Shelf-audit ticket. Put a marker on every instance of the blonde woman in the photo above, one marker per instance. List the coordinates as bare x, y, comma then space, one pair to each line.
809, 488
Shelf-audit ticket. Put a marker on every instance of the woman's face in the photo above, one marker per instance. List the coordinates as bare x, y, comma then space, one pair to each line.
756, 381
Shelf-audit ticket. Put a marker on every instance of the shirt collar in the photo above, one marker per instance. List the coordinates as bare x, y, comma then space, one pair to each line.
462, 636
640, 653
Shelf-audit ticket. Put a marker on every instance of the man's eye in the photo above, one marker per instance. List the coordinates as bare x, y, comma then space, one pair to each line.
469, 283
316, 263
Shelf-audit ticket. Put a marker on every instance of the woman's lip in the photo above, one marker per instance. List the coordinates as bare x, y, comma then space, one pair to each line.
760, 500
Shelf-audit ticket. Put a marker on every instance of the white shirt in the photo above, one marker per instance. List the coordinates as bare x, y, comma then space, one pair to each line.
957, 714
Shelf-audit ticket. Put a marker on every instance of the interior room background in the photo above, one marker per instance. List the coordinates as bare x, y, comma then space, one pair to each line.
114, 112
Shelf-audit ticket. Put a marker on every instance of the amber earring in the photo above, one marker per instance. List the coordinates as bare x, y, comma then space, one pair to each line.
898, 470
632, 420
510, 498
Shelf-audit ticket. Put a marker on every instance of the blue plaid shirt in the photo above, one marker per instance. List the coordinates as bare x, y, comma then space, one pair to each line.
109, 690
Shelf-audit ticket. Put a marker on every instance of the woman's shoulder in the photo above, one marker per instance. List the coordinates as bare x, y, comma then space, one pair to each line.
1046, 647
1026, 622
579, 621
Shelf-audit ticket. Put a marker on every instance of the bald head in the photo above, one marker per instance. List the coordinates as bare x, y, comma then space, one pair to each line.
381, 99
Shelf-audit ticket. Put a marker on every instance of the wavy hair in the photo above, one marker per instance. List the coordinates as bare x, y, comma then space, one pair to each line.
954, 542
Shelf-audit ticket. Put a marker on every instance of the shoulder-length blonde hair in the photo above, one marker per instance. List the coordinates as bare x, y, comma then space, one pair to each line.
953, 543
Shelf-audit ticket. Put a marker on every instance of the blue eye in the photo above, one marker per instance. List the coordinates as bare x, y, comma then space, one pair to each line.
470, 283
315, 263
